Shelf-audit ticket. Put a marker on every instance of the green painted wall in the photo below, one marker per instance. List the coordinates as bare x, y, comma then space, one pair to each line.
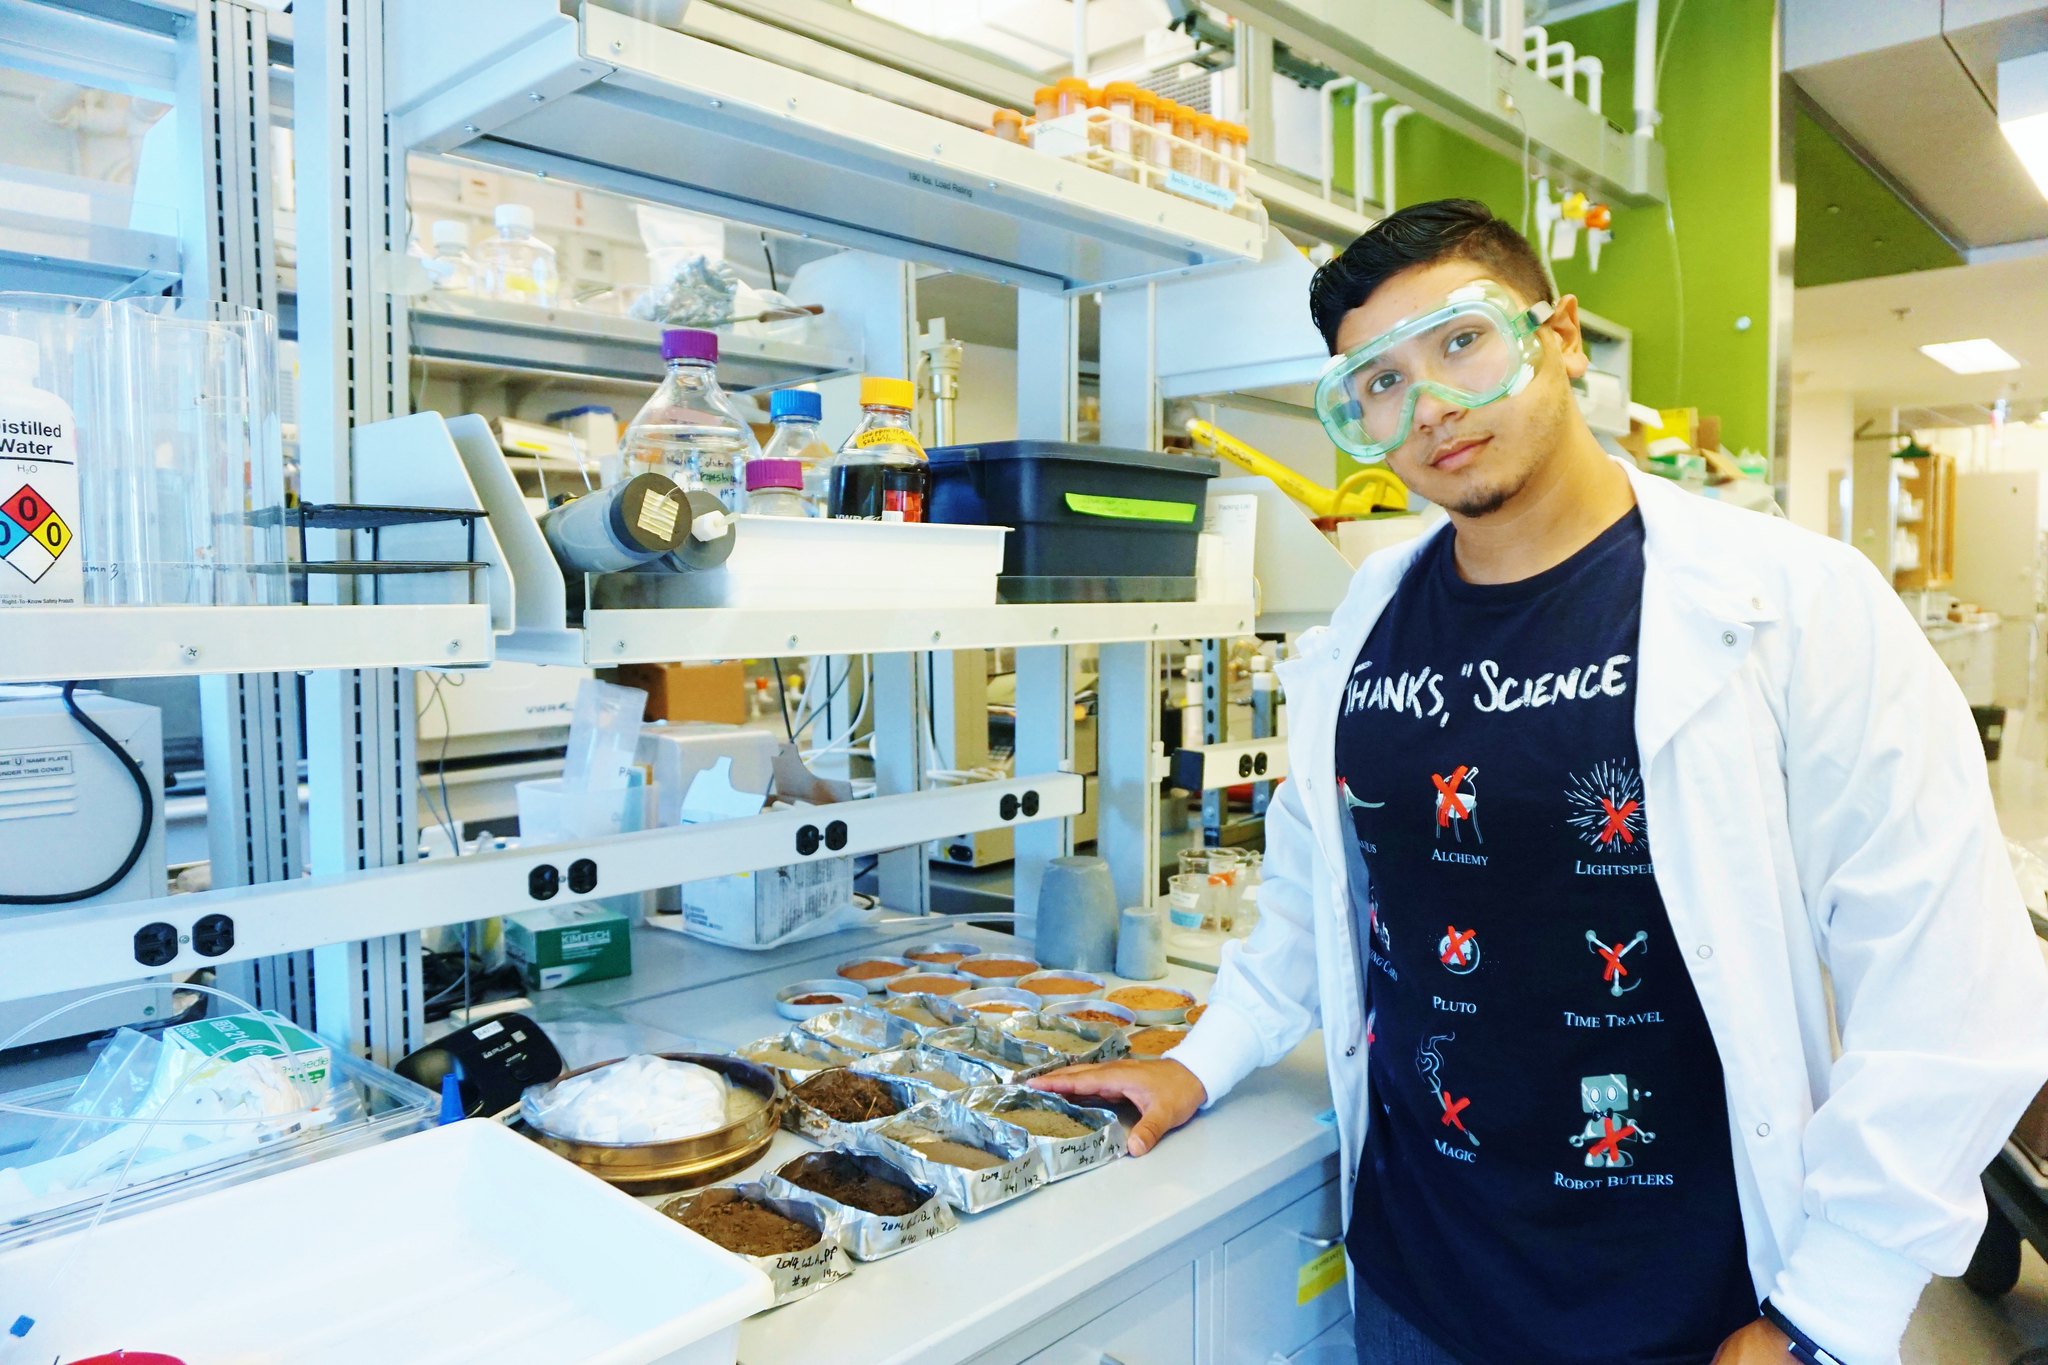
1851, 225
1719, 132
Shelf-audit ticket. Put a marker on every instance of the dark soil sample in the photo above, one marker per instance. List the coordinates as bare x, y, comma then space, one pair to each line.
748, 1228
819, 1000
849, 1096
838, 1177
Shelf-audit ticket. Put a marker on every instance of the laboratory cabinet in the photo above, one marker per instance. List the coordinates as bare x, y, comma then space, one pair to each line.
1155, 1326
1283, 1281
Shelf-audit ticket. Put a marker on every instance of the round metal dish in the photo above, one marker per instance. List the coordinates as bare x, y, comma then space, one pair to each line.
942, 984
843, 993
1170, 1014
1125, 1017
965, 950
1092, 986
875, 985
680, 1163
998, 995
967, 968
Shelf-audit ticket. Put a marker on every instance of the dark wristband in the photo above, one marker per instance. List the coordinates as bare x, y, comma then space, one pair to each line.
1804, 1348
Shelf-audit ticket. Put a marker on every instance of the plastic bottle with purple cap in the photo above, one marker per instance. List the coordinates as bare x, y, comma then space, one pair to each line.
691, 430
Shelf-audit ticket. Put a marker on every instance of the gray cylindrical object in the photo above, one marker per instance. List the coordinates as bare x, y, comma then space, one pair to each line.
693, 555
620, 527
1077, 915
1141, 944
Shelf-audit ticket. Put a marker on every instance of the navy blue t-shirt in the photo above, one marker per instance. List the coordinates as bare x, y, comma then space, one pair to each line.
1547, 1173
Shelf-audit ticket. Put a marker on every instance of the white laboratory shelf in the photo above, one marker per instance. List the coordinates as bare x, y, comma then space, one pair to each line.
678, 635
45, 644
602, 99
521, 337
46, 253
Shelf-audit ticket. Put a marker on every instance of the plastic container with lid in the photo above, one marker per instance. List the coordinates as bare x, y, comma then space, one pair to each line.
795, 413
691, 430
1088, 523
1120, 99
515, 265
448, 265
1071, 95
1236, 142
1009, 125
880, 473
775, 488
1209, 166
1145, 114
1160, 151
1046, 103
1187, 157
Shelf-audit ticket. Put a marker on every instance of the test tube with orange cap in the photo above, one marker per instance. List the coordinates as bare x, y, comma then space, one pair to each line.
1046, 102
1071, 95
1009, 125
1120, 101
1187, 156
1144, 113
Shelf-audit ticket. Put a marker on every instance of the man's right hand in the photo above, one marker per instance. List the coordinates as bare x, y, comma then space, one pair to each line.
1166, 1093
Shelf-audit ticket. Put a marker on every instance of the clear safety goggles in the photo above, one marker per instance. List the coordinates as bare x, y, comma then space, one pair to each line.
1477, 347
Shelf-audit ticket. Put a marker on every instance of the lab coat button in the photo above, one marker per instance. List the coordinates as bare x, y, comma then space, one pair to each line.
1705, 950
1728, 638
1351, 1051
1763, 1130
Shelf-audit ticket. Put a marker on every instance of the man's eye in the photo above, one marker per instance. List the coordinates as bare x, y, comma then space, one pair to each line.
1460, 342
1383, 382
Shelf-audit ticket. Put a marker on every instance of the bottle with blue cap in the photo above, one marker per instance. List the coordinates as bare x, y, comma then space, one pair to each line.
796, 414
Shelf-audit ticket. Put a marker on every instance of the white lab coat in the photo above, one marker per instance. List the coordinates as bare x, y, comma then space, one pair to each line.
1819, 805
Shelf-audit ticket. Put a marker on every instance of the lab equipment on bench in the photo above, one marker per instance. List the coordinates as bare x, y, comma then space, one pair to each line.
81, 812
775, 488
496, 1059
880, 473
1088, 523
658, 1140
1359, 494
691, 430
448, 264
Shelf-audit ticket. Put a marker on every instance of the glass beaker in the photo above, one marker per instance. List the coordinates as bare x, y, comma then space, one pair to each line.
1189, 902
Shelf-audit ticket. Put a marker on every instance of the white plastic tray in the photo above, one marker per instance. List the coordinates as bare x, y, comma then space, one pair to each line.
461, 1243
807, 562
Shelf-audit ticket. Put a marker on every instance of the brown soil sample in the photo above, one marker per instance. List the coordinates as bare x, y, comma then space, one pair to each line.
870, 971
1154, 1042
999, 1007
1195, 1012
933, 1147
1045, 1123
747, 1228
928, 985
998, 970
1148, 998
939, 958
849, 1096
819, 1000
1059, 985
1095, 1017
837, 1177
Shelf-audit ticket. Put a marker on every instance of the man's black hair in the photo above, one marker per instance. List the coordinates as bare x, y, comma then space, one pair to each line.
1422, 234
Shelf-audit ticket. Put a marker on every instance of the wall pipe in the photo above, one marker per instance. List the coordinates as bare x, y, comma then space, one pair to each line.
1593, 71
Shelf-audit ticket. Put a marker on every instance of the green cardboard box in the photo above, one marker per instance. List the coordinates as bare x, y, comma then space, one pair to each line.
574, 943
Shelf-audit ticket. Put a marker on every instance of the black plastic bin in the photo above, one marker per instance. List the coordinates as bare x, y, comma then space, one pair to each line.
1088, 523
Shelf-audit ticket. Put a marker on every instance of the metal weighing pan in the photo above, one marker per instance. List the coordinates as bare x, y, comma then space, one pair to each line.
680, 1163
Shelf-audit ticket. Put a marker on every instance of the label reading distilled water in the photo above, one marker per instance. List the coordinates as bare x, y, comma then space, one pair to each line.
39, 555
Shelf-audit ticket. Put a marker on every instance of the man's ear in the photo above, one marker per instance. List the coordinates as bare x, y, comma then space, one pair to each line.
1571, 340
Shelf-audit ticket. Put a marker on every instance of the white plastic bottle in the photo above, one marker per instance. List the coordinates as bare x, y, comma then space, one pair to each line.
515, 265
40, 561
449, 265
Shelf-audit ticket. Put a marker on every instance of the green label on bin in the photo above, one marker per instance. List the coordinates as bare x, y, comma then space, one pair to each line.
1131, 509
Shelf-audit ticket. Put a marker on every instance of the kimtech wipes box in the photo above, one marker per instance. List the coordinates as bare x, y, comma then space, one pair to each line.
554, 947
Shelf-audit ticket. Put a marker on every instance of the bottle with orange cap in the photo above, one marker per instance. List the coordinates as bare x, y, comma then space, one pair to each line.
1187, 157
880, 472
1071, 95
1120, 100
1009, 125
1045, 103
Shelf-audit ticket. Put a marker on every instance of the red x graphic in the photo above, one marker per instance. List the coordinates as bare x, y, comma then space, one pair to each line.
1610, 1145
1613, 956
1452, 1108
1617, 818
1448, 806
1453, 954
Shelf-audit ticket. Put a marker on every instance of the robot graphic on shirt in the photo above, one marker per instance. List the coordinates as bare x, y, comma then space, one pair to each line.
1606, 1100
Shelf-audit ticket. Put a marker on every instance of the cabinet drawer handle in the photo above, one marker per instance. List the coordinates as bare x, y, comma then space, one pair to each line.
1320, 1243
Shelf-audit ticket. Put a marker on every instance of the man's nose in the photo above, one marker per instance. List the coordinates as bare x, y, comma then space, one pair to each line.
1431, 410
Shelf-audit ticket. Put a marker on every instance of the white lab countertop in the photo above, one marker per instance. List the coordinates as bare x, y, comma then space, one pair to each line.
978, 1288
1941, 632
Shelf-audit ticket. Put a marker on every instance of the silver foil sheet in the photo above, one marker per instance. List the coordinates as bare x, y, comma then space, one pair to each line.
968, 1191
1082, 1039
1012, 1059
795, 1274
1061, 1157
871, 1236
940, 1008
799, 1116
802, 1044
861, 1029
906, 1061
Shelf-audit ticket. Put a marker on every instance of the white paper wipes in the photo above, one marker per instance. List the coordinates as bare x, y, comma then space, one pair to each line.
639, 1099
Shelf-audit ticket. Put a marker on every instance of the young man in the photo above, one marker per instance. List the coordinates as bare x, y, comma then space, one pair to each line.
1613, 809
